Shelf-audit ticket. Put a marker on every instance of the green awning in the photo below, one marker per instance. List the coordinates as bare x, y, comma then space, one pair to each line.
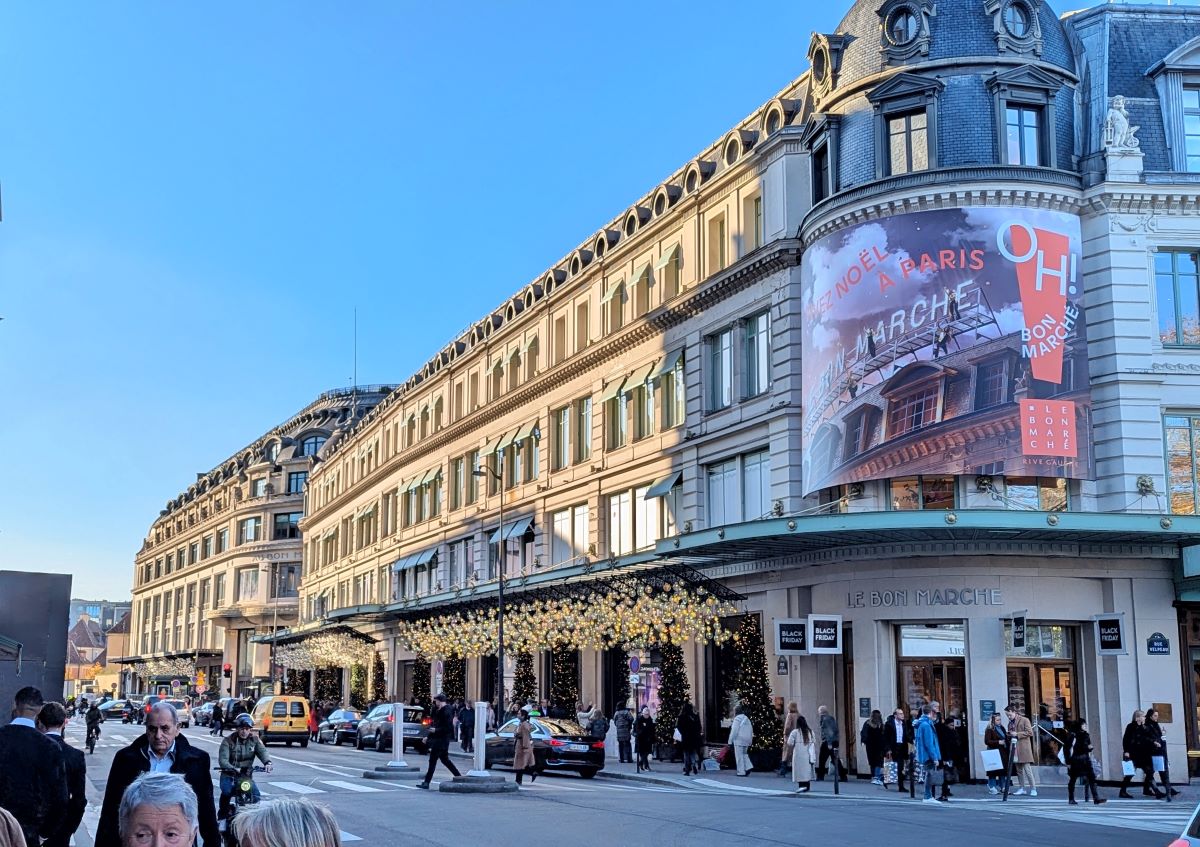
664, 485
612, 291
639, 377
668, 363
525, 431
613, 390
641, 272
506, 441
513, 530
666, 258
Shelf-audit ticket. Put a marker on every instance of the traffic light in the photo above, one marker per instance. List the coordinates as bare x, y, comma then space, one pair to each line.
228, 669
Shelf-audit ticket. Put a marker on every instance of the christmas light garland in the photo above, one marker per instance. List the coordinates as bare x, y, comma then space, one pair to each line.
326, 650
181, 668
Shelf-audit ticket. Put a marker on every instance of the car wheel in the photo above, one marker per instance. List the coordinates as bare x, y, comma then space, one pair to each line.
337, 739
304, 743
289, 744
588, 773
358, 745
379, 743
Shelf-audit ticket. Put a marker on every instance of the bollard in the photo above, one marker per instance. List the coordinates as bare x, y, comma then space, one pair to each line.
479, 766
398, 737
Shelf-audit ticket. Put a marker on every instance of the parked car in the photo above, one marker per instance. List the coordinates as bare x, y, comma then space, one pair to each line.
147, 703
341, 725
113, 710
1190, 837
226, 707
375, 730
557, 745
283, 718
202, 714
183, 710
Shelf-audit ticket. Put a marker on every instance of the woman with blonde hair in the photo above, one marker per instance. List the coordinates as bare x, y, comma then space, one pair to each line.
789, 723
287, 822
10, 831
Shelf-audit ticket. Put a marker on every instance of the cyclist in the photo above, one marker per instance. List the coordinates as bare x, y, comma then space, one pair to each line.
239, 751
94, 719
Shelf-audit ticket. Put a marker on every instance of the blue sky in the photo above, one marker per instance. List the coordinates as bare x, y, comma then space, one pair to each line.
197, 196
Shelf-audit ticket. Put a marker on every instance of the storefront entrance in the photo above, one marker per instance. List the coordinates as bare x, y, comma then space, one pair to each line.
1042, 685
932, 668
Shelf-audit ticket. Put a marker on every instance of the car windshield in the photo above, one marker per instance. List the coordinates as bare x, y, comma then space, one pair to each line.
554, 727
178, 704
346, 715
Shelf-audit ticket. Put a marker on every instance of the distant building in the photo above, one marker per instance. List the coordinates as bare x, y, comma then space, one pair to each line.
103, 612
32, 653
86, 657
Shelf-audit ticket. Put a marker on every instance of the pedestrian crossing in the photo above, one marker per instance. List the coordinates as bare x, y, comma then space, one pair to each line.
1146, 816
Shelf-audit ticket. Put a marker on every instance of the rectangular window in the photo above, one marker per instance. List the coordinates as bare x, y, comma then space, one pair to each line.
1177, 284
286, 581
643, 410
193, 553
208, 546
991, 385
561, 448
1183, 463
758, 354
457, 479
170, 565
673, 396
756, 486
296, 482
645, 519
472, 480
222, 540
754, 223
1022, 135
616, 413
724, 502
614, 307
671, 273
583, 429
910, 413
287, 525
1038, 494
915, 493
641, 294
720, 370
717, 238
258, 487
1191, 128
560, 339
908, 145
820, 174
570, 539
249, 530
668, 512
583, 329
620, 523
433, 490
219, 591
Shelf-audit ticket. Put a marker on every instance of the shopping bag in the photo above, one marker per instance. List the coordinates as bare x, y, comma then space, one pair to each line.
890, 772
710, 765
992, 760
1096, 770
677, 735
1127, 768
1159, 763
918, 773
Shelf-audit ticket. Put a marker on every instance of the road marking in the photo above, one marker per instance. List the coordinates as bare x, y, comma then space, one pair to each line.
297, 788
350, 786
120, 738
348, 837
712, 783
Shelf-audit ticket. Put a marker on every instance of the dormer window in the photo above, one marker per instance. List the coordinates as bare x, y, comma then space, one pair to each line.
1177, 80
906, 29
1016, 26
1025, 115
906, 124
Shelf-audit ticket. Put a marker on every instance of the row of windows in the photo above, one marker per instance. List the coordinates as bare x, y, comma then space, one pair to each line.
284, 525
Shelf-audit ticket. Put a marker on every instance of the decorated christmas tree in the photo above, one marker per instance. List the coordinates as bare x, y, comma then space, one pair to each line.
620, 694
379, 692
752, 685
297, 683
420, 680
329, 685
524, 686
454, 679
358, 686
673, 691
564, 678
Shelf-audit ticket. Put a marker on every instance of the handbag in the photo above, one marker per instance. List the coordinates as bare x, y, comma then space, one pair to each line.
935, 776
677, 735
950, 774
1159, 763
992, 760
1127, 768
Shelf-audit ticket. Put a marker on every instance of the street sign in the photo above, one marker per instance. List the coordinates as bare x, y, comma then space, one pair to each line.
634, 664
635, 679
782, 667
1158, 645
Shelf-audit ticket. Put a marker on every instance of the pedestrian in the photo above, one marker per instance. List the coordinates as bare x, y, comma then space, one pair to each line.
50, 721
929, 754
623, 721
741, 736
1020, 732
995, 737
33, 778
524, 760
438, 741
582, 714
874, 743
597, 724
829, 743
162, 749
643, 735
466, 725
947, 737
1045, 737
10, 830
1158, 748
313, 724
690, 738
897, 732
296, 822
789, 723
1079, 763
159, 809
237, 753
218, 721
1136, 749
804, 754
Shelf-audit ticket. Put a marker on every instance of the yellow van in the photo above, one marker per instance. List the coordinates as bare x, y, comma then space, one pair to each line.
282, 718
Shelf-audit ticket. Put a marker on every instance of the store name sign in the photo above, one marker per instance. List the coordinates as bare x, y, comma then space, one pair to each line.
925, 597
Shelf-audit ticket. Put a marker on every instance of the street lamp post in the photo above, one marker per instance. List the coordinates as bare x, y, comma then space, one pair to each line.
502, 544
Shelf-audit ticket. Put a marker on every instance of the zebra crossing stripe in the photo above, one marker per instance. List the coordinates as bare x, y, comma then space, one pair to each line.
297, 788
350, 786
348, 837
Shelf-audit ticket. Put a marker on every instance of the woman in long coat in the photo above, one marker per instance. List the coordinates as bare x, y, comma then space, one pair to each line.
804, 754
789, 723
1136, 747
873, 742
995, 737
524, 761
643, 735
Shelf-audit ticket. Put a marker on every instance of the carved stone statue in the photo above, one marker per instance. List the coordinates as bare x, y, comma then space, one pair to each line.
1118, 133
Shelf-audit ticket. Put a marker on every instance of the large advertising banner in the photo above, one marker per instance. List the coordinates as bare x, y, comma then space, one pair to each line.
945, 342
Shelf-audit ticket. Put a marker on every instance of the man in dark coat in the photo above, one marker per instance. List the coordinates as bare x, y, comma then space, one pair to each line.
466, 726
161, 749
438, 741
623, 721
50, 720
33, 779
897, 735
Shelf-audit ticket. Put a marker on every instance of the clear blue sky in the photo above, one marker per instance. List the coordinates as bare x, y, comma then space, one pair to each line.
197, 196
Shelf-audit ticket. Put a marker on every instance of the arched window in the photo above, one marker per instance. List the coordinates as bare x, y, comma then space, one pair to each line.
438, 414
310, 445
425, 423
410, 431
514, 371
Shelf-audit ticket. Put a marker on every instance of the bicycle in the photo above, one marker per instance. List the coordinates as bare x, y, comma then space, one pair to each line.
243, 795
93, 732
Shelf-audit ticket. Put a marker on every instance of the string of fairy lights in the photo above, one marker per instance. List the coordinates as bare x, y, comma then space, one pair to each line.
325, 650
182, 668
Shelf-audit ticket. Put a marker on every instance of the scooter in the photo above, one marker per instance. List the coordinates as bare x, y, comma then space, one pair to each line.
243, 795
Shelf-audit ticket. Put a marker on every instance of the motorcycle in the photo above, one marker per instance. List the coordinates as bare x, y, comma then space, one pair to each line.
243, 795
93, 732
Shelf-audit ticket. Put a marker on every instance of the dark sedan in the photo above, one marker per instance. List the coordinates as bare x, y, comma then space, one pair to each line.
114, 710
202, 714
341, 725
557, 745
375, 730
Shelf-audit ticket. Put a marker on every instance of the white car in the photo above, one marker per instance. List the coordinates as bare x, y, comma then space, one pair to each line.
1191, 834
185, 713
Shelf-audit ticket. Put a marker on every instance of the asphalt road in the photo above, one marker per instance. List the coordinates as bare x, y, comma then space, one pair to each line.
566, 810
